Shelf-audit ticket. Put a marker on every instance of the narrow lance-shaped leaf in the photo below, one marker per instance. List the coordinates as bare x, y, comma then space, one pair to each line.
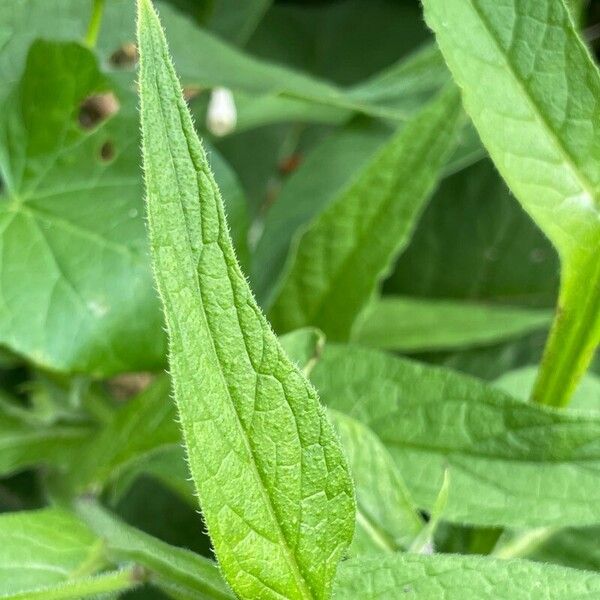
271, 477
531, 89
335, 268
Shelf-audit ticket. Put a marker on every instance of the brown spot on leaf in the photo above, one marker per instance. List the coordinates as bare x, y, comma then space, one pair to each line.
95, 109
107, 151
125, 57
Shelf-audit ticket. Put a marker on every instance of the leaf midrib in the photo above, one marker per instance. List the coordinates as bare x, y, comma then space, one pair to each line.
586, 185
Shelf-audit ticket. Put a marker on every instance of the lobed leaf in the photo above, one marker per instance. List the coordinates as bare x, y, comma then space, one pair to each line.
65, 206
332, 270
250, 419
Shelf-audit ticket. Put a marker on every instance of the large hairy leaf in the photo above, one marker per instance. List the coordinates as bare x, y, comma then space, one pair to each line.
511, 464
531, 89
333, 270
250, 419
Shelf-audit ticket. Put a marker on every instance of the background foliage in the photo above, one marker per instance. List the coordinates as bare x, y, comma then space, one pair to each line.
343, 108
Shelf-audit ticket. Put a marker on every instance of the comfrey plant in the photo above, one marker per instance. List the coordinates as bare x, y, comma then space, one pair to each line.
324, 463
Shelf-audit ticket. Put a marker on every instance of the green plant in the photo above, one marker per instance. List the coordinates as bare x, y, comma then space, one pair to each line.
325, 463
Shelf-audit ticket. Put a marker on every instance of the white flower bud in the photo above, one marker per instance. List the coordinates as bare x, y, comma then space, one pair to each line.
221, 116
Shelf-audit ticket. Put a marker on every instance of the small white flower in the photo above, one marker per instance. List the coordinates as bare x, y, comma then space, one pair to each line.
221, 116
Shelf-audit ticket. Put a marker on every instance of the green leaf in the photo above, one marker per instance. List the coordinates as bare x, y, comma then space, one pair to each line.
419, 324
460, 578
577, 548
52, 553
333, 271
236, 204
531, 88
172, 569
42, 551
26, 441
77, 208
344, 41
66, 207
141, 437
143, 426
511, 464
386, 517
326, 173
250, 420
322, 176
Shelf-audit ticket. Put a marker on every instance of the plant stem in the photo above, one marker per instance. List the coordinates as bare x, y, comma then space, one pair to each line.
523, 545
574, 335
115, 581
91, 37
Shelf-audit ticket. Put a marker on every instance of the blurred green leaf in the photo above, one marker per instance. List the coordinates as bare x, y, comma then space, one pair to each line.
344, 41
414, 325
332, 271
386, 517
540, 121
44, 548
474, 242
186, 574
519, 384
144, 425
236, 20
27, 441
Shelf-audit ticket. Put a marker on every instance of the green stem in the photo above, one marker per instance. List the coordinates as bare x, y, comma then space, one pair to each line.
115, 581
574, 335
523, 545
91, 37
